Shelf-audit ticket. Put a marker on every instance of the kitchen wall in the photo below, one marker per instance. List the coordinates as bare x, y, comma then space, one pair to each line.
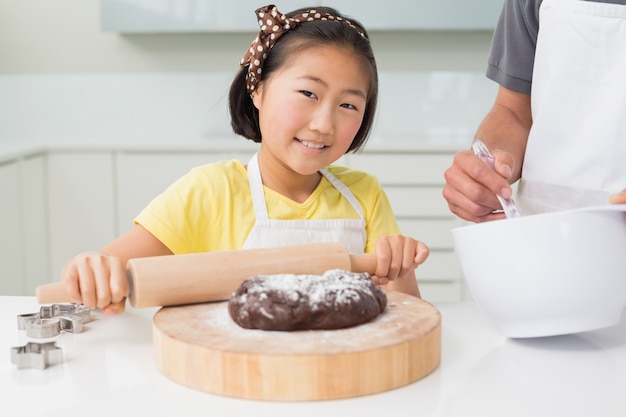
62, 78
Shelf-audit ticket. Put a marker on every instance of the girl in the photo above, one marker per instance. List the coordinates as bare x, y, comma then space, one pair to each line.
307, 93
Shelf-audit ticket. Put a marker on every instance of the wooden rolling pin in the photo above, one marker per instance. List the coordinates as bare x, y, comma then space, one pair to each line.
213, 276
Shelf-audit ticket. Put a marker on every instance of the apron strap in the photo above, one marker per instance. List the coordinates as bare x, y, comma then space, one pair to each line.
345, 192
256, 188
258, 197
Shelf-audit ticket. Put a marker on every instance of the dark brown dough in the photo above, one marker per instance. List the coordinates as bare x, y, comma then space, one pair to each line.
335, 300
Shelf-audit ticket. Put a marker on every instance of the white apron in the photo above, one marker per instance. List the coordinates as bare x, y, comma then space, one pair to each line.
576, 153
273, 233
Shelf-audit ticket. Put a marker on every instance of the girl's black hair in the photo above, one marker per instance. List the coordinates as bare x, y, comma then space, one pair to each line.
245, 116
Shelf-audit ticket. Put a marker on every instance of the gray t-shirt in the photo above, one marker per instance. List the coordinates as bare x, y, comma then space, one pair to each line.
512, 54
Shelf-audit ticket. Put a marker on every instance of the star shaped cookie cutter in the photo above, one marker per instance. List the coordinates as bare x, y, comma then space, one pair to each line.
54, 319
36, 355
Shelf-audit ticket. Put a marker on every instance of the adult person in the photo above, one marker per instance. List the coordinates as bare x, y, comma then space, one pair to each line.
558, 123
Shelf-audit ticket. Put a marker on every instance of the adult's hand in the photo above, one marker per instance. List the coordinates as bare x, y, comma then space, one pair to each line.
619, 198
472, 187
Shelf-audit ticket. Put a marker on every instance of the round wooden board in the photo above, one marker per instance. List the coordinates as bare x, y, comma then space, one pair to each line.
201, 347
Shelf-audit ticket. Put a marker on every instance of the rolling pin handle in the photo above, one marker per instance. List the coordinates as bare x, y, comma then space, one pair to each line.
363, 263
52, 293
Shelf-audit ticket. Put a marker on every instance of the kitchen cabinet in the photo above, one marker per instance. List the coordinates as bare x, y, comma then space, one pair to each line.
10, 230
422, 14
34, 222
23, 233
81, 198
69, 201
159, 16
23, 237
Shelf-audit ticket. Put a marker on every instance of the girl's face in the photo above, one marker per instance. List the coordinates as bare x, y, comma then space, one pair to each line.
311, 109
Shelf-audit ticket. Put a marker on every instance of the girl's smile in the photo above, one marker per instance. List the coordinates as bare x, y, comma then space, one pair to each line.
311, 144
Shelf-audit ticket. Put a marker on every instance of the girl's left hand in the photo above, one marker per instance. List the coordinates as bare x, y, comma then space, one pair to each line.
619, 198
396, 256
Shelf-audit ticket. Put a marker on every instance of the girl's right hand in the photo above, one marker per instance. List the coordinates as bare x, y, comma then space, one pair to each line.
96, 279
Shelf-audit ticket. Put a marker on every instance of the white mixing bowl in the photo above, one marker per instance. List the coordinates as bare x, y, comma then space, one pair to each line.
548, 274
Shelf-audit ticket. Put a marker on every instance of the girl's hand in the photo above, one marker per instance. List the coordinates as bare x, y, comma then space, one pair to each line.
98, 279
397, 256
619, 198
95, 279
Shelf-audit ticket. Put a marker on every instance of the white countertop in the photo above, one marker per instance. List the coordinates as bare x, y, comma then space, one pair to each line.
109, 370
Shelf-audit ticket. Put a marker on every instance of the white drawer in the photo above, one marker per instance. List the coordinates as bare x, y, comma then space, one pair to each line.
440, 266
417, 201
435, 233
403, 169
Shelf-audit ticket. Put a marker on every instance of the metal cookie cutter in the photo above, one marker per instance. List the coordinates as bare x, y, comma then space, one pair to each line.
36, 355
54, 319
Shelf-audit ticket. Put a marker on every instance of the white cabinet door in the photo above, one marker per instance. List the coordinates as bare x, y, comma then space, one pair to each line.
81, 204
23, 231
406, 168
11, 240
34, 208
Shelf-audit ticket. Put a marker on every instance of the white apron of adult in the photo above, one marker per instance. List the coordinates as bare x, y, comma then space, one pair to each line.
576, 152
273, 232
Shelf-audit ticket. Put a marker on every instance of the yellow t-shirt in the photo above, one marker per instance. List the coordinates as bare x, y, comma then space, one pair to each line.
210, 208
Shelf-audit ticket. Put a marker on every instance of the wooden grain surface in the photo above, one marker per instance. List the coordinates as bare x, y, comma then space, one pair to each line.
213, 276
201, 347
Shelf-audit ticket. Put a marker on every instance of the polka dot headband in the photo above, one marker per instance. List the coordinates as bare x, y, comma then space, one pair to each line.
273, 25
